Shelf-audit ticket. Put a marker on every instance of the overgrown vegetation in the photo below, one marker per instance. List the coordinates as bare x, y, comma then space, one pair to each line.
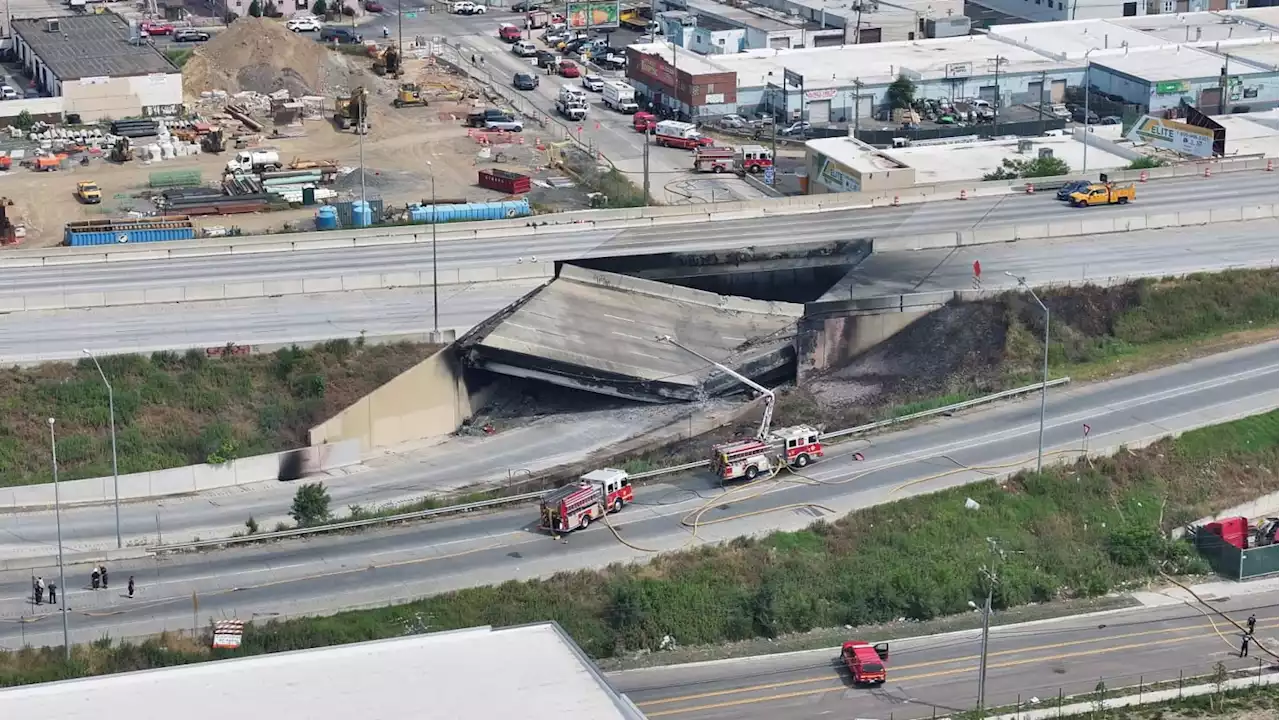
614, 188
1146, 162
174, 410
1013, 168
1076, 531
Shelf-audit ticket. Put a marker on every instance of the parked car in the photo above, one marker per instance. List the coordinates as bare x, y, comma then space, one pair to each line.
1075, 186
190, 35
546, 59
594, 83
373, 6
797, 128
462, 7
525, 81
9, 93
1060, 111
155, 27
569, 69
304, 24
526, 6
509, 33
1078, 115
1110, 120
507, 124
524, 48
612, 62
344, 35
733, 121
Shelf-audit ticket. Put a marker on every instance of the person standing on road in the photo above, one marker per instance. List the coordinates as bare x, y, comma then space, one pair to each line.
94, 578
39, 590
53, 593
130, 586
1253, 620
1244, 644
104, 577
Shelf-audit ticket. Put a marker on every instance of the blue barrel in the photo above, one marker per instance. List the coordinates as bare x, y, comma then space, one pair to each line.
361, 214
327, 218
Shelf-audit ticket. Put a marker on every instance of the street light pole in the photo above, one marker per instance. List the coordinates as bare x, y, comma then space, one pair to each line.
1044, 382
115, 466
990, 573
1085, 156
435, 277
57, 515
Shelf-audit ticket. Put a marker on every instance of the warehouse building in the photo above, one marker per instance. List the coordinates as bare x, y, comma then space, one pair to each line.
685, 83
532, 672
98, 66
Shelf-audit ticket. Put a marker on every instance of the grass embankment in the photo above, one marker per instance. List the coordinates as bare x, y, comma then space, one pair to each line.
1071, 532
174, 410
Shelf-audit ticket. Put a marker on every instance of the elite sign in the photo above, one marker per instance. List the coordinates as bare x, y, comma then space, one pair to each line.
1173, 135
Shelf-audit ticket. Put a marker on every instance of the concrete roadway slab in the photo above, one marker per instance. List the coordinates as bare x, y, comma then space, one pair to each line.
936, 676
598, 331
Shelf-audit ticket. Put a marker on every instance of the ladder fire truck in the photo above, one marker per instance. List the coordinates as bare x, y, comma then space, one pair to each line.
769, 450
575, 505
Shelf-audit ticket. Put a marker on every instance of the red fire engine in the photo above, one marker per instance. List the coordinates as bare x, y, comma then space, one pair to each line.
795, 446
575, 505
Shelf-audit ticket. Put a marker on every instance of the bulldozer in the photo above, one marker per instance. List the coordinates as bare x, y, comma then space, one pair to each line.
122, 151
350, 110
387, 62
408, 95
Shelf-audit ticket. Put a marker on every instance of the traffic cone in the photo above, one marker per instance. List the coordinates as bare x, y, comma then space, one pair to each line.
1207, 173
1031, 189
896, 201
964, 194
1142, 176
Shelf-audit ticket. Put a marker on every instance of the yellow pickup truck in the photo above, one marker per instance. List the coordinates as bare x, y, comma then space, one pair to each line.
88, 192
1103, 194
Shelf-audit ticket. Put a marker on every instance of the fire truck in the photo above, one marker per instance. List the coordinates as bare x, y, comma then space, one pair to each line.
575, 505
795, 446
767, 451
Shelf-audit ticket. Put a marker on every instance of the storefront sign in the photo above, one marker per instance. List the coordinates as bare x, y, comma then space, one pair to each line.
814, 95
836, 178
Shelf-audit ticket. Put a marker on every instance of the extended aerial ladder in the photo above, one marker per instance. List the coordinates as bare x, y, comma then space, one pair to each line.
767, 419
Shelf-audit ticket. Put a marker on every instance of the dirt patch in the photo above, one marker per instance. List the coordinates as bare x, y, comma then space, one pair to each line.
260, 55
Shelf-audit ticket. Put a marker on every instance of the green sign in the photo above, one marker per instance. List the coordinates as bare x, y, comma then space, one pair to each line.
1171, 87
593, 14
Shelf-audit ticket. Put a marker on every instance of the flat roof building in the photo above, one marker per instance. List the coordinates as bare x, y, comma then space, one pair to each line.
532, 672
98, 65
1160, 79
1208, 27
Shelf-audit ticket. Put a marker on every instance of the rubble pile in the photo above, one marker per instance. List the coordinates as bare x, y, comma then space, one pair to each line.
260, 56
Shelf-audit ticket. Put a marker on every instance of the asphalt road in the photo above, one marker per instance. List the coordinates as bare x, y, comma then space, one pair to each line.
41, 336
937, 676
942, 216
326, 574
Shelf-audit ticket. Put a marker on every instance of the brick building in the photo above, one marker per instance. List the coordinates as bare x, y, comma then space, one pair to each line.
681, 81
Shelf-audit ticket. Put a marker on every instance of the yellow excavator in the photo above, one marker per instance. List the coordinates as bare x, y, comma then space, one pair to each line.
410, 94
387, 62
349, 110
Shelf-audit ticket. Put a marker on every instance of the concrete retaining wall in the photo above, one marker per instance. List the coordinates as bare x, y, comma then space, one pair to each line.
183, 480
429, 400
72, 299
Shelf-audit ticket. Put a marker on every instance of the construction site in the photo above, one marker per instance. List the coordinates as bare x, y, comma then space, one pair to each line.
273, 130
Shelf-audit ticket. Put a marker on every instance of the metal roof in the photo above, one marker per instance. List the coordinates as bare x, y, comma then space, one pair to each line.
87, 46
532, 672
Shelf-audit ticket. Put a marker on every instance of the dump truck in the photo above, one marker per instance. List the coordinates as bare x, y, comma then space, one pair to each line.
88, 192
1103, 194
866, 662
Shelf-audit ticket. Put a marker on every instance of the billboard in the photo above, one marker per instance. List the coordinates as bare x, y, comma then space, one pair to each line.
583, 15
1173, 135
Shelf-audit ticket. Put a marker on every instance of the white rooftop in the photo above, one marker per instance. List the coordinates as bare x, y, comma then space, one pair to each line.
876, 63
1202, 26
1175, 63
686, 60
1252, 133
532, 671
970, 161
853, 154
1262, 54
1071, 39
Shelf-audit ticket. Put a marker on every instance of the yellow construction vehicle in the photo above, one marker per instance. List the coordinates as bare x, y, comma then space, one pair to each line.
350, 110
410, 94
88, 192
387, 62
1103, 194
122, 151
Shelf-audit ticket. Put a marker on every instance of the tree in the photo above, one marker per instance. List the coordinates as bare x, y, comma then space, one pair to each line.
255, 8
901, 92
320, 8
310, 504
270, 10
24, 121
1011, 169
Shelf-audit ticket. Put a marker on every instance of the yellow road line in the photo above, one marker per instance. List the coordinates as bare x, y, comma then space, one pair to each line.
935, 674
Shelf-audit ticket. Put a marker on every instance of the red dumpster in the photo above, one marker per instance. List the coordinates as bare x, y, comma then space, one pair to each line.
505, 182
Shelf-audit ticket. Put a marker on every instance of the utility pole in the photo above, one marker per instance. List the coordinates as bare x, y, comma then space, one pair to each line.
989, 572
115, 466
1044, 382
435, 277
995, 118
857, 96
1041, 106
773, 124
57, 515
1084, 163
399, 29
645, 157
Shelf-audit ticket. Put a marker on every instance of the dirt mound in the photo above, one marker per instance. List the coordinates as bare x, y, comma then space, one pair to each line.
260, 55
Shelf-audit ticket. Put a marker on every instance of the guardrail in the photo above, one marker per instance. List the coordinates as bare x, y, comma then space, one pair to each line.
525, 497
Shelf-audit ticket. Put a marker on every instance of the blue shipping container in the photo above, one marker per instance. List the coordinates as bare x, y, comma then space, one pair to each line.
117, 232
501, 210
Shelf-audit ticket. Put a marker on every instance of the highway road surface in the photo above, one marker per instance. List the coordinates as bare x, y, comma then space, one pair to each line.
937, 676
44, 335
329, 573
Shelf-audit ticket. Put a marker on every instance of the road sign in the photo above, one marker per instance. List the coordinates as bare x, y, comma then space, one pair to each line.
768, 176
